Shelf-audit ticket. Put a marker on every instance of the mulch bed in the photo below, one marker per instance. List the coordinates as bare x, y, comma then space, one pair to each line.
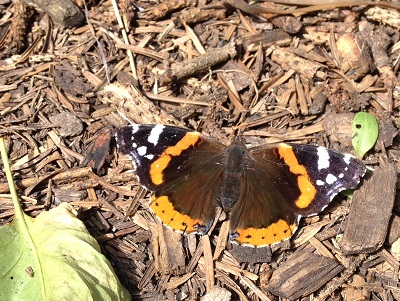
70, 77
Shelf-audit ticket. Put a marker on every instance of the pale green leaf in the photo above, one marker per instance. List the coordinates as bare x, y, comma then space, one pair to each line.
53, 257
65, 260
365, 133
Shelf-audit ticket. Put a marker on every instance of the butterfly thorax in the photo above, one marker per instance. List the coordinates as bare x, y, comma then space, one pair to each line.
232, 176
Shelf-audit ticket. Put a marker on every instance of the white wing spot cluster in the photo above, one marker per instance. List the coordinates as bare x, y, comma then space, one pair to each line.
330, 179
155, 134
135, 128
347, 158
142, 150
150, 157
320, 183
323, 158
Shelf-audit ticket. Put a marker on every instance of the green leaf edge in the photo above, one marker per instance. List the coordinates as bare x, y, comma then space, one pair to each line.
19, 216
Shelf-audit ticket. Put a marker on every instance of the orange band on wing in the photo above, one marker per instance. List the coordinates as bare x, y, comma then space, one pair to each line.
158, 166
272, 234
307, 189
165, 211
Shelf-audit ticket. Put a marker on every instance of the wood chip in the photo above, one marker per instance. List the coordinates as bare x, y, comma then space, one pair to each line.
217, 294
302, 274
168, 251
369, 218
135, 106
288, 60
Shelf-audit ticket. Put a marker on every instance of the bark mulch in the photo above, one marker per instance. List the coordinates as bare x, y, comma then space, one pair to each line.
73, 73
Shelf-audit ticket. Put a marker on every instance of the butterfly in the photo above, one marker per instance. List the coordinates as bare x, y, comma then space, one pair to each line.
265, 190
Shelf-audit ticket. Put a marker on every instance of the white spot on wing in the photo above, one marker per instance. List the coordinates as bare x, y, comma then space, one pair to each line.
155, 134
341, 175
347, 158
323, 158
135, 128
142, 150
320, 183
330, 179
150, 157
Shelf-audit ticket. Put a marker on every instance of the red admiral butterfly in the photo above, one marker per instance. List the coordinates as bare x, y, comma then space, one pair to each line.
265, 190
